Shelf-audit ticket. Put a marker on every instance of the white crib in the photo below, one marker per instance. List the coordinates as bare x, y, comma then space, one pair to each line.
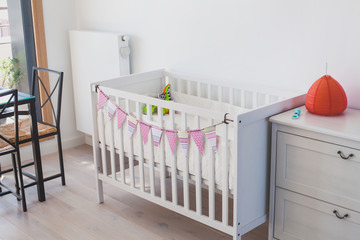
235, 178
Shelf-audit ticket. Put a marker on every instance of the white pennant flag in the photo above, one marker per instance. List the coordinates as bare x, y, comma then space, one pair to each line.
156, 134
111, 108
132, 123
184, 141
210, 133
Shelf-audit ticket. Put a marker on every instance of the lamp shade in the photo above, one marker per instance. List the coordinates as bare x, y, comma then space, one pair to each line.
326, 97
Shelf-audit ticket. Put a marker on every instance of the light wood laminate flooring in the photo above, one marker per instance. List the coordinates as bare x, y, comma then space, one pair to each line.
72, 211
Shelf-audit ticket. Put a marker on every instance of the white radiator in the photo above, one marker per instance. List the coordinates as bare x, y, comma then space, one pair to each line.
95, 56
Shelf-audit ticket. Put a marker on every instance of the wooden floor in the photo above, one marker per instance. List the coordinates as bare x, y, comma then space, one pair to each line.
72, 212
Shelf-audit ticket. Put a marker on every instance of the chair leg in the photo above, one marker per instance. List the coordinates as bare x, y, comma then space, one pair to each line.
61, 160
22, 189
15, 170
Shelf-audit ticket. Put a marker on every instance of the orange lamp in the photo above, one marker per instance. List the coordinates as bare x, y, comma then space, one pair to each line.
326, 97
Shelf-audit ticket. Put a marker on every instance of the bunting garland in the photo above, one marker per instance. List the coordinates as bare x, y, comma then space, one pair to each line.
156, 132
111, 109
144, 128
120, 116
198, 139
171, 136
184, 141
210, 133
102, 99
132, 122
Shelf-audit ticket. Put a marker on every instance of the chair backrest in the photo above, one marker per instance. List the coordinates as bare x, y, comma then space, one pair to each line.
9, 109
47, 95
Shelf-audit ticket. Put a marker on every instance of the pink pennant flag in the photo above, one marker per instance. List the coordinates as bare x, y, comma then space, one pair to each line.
120, 117
210, 133
111, 108
184, 141
171, 136
156, 134
198, 139
102, 99
144, 128
132, 122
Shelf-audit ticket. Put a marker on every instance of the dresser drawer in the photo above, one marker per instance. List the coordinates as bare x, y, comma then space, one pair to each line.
316, 169
303, 218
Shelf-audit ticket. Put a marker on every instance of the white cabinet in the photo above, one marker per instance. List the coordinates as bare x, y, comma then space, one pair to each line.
315, 176
95, 56
300, 217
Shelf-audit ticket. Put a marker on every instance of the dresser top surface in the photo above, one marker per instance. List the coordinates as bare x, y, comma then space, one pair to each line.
345, 125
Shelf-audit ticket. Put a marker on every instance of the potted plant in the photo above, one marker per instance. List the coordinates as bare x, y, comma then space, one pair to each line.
11, 73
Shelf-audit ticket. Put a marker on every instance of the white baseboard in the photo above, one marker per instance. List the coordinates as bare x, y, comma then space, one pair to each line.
88, 139
46, 147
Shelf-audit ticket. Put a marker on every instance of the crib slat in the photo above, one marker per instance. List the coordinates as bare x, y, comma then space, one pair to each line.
112, 149
102, 144
198, 175
179, 85
198, 88
225, 175
267, 99
174, 84
141, 148
174, 164
151, 163
254, 100
220, 93
131, 151
188, 87
209, 92
231, 95
121, 150
186, 166
243, 98
162, 156
212, 182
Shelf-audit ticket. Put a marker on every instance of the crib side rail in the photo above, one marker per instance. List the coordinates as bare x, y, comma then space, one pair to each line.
202, 112
134, 82
244, 98
122, 166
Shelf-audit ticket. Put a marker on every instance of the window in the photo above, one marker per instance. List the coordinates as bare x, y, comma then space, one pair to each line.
5, 40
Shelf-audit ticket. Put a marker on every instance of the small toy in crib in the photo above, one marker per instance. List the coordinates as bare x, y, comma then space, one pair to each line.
165, 95
296, 114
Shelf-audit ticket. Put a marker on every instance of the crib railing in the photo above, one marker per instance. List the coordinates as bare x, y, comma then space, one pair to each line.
249, 99
133, 104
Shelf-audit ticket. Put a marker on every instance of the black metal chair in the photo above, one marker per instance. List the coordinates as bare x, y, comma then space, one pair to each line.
46, 128
10, 145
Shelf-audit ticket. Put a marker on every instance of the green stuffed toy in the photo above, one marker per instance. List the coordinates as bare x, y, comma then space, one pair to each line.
165, 95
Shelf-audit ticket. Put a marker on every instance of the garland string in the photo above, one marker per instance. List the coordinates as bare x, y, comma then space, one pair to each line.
225, 121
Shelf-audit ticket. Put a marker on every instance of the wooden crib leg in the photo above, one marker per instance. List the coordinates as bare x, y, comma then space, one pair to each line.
237, 193
96, 148
99, 189
236, 219
98, 183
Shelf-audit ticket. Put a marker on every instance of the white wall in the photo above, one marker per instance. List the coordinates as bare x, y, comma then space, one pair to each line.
281, 43
59, 17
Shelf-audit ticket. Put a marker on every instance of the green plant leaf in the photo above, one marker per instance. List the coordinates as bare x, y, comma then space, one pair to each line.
11, 73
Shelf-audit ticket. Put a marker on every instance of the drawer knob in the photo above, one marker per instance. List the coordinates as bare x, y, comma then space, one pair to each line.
339, 216
343, 156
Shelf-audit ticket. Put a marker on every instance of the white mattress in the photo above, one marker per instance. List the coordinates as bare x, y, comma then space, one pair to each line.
192, 151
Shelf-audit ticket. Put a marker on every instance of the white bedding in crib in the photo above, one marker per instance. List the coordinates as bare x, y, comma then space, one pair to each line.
192, 150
